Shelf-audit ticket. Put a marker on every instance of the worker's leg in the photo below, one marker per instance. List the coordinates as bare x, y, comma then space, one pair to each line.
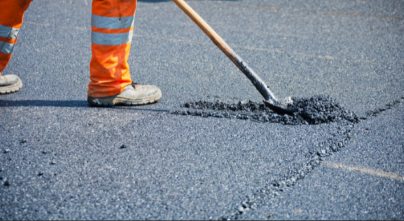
11, 16
111, 37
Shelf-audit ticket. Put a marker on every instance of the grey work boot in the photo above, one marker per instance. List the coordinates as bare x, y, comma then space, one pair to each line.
10, 84
133, 94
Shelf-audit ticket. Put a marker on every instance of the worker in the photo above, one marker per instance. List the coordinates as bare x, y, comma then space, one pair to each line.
111, 37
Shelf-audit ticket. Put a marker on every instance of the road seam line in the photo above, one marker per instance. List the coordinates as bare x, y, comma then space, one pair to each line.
371, 172
301, 10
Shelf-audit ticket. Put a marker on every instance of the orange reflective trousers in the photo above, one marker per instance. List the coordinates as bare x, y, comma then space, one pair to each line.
111, 37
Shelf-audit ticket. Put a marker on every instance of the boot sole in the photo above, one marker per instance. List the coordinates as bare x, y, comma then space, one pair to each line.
113, 100
11, 88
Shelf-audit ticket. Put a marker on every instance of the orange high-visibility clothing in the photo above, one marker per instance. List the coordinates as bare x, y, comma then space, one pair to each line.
11, 15
111, 37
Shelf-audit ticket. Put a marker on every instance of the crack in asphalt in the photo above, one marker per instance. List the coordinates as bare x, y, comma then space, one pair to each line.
265, 194
386, 107
308, 111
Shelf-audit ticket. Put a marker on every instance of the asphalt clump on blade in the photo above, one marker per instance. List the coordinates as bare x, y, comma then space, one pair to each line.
314, 110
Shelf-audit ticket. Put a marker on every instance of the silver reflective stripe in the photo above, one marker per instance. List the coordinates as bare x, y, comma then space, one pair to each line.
112, 22
111, 39
6, 47
8, 32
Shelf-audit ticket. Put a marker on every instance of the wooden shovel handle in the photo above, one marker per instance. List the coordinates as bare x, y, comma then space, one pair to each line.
220, 43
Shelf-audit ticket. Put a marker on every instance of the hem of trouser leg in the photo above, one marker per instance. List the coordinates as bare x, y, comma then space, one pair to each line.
109, 94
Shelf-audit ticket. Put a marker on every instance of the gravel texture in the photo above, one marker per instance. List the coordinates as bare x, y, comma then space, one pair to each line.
366, 195
187, 167
314, 110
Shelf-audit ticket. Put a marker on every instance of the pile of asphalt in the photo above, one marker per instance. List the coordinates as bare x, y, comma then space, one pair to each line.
314, 110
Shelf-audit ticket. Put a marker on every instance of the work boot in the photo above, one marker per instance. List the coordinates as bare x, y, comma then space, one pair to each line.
133, 94
10, 84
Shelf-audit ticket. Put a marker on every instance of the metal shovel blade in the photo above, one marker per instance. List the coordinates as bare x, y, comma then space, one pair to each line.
281, 106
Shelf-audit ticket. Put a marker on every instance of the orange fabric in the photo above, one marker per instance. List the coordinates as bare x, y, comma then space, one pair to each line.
12, 12
4, 59
109, 70
114, 8
11, 41
11, 15
111, 31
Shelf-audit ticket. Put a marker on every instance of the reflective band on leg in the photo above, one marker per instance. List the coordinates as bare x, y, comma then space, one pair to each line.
6, 48
9, 32
112, 22
111, 39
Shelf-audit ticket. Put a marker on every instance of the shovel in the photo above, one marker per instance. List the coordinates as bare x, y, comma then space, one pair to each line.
279, 106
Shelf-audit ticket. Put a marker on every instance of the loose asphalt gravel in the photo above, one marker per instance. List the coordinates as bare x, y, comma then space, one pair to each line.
208, 149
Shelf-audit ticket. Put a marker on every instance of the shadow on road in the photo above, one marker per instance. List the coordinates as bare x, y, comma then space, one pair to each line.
63, 103
43, 103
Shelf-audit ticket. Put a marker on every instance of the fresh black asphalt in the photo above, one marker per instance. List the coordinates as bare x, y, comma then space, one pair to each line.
62, 159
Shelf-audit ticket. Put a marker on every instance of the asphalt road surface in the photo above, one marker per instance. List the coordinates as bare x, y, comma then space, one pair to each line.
62, 159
